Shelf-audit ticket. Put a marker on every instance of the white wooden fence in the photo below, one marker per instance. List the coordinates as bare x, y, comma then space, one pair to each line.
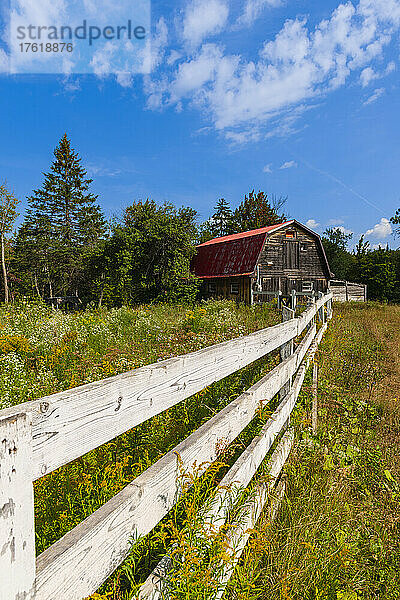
39, 436
345, 291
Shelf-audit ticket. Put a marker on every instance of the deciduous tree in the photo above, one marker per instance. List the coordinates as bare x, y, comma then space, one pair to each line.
8, 216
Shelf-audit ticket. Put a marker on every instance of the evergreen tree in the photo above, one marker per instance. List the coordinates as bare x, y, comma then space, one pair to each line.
220, 224
257, 211
221, 221
63, 221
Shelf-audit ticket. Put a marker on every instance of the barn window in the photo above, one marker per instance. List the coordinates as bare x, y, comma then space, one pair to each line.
290, 234
307, 286
212, 287
303, 247
234, 288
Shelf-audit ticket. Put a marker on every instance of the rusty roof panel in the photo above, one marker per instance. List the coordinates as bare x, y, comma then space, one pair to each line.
244, 234
229, 258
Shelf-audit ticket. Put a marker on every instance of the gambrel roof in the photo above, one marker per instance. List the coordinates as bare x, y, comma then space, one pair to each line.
238, 254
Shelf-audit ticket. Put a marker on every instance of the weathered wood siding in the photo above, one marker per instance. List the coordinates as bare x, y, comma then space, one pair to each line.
288, 263
291, 259
225, 287
345, 291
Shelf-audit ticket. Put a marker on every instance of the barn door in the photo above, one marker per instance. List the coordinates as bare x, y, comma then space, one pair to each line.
291, 255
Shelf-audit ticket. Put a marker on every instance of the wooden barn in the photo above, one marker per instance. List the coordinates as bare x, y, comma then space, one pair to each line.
255, 265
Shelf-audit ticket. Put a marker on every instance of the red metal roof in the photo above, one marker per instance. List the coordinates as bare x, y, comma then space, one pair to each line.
243, 234
231, 255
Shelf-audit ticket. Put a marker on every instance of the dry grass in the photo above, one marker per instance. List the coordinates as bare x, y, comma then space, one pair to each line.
337, 533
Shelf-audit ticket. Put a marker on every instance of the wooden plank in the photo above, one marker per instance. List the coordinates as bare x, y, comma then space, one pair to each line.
237, 478
252, 510
76, 565
69, 424
241, 473
286, 349
315, 398
17, 526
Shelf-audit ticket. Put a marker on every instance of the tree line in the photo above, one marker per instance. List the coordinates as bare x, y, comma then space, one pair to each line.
66, 248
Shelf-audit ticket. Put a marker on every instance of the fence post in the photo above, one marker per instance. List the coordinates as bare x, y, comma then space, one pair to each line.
321, 311
329, 308
279, 300
286, 350
17, 530
294, 299
314, 411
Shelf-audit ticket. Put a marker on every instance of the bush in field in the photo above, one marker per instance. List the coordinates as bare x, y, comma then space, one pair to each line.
147, 257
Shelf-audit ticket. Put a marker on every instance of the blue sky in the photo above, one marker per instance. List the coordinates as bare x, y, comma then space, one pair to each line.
297, 98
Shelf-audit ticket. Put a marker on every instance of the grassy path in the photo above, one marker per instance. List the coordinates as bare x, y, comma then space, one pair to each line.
337, 533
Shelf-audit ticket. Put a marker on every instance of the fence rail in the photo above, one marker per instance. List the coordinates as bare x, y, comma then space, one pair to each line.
40, 436
345, 291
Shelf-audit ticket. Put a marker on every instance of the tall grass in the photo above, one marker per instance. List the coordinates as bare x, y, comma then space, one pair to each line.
337, 533
336, 536
42, 351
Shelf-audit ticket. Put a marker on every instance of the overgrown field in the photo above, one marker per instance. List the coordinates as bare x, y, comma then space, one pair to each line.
336, 535
42, 352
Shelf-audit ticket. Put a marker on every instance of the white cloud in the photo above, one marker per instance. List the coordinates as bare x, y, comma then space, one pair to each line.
203, 18
243, 136
267, 168
102, 58
312, 224
3, 61
173, 57
374, 97
158, 43
335, 222
101, 171
367, 75
345, 230
289, 164
299, 66
381, 230
253, 9
390, 68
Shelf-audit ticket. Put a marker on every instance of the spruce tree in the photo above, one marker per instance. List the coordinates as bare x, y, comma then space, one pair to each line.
63, 221
221, 221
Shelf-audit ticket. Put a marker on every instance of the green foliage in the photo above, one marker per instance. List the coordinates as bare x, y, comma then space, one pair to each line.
335, 242
396, 220
62, 223
220, 224
379, 269
147, 257
8, 216
257, 211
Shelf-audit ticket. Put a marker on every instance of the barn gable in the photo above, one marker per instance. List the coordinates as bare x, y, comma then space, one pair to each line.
238, 254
